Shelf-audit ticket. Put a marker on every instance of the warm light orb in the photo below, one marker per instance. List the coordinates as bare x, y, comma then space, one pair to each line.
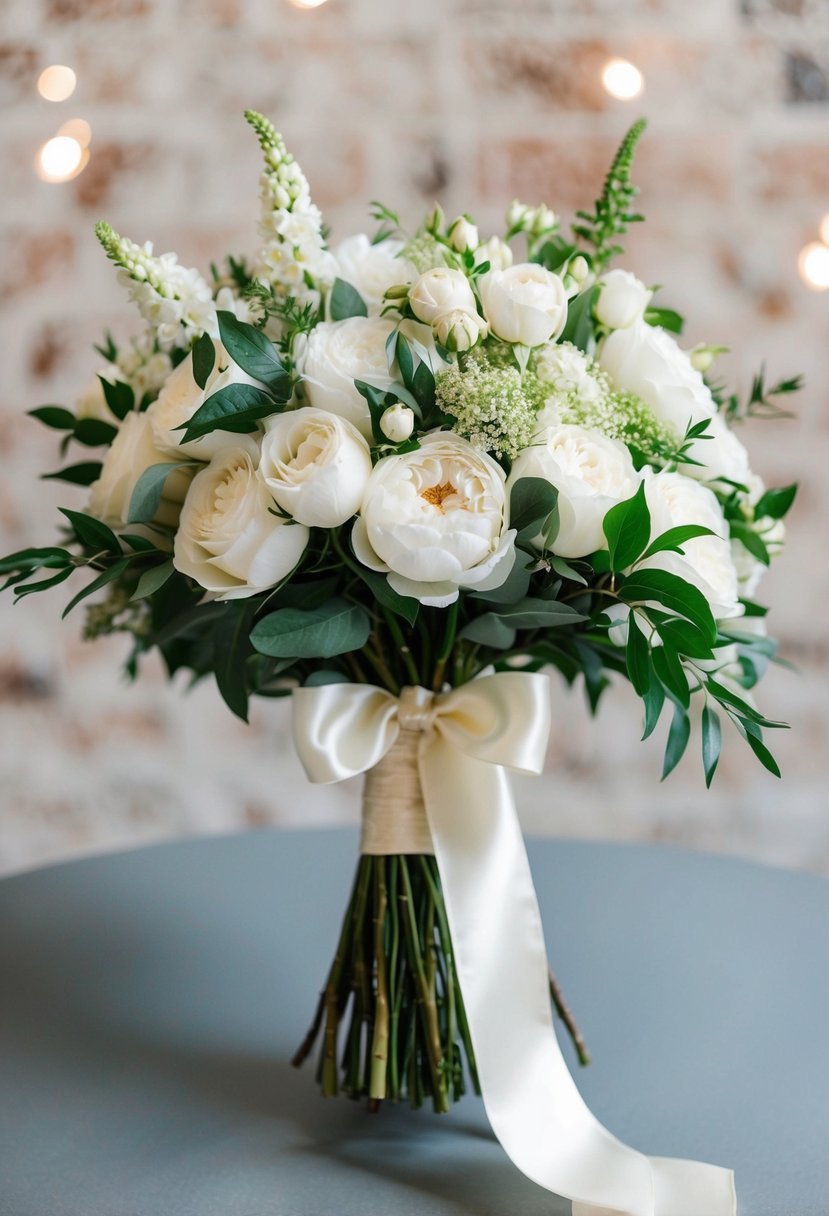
813, 264
824, 229
307, 3
57, 82
622, 79
60, 159
77, 129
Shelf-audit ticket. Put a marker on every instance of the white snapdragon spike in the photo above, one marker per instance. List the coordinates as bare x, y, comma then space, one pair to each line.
174, 300
336, 354
673, 500
591, 473
645, 360
294, 248
373, 269
436, 520
179, 399
524, 304
229, 539
316, 465
622, 299
133, 450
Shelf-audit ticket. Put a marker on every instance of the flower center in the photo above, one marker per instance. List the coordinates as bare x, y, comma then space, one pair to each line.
436, 495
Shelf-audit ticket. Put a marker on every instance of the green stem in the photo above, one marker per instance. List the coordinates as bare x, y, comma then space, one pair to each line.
446, 645
380, 1038
402, 645
426, 1001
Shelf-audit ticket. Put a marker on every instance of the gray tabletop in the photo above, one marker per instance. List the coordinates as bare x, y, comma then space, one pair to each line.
149, 1002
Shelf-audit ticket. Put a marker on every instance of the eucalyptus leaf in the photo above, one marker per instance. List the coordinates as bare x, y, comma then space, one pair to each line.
489, 630
236, 408
254, 352
318, 633
345, 301
148, 492
405, 606
678, 736
532, 612
711, 742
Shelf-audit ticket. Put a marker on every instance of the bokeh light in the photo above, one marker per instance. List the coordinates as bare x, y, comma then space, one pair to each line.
77, 129
307, 3
622, 79
813, 265
60, 159
57, 82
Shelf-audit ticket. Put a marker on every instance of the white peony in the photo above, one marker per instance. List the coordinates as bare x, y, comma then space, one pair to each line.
133, 450
439, 291
372, 269
435, 520
674, 500
524, 304
316, 466
339, 352
181, 397
591, 473
229, 539
622, 299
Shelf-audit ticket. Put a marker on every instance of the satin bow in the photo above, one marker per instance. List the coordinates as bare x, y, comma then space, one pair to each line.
468, 736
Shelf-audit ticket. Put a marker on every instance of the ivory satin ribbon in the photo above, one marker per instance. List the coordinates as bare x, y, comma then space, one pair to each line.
468, 736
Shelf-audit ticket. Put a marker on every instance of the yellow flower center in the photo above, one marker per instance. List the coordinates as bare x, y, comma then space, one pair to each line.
436, 495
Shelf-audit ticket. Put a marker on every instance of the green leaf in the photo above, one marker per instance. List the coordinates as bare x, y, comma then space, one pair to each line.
231, 649
204, 360
423, 387
36, 559
531, 612
683, 637
666, 318
579, 327
405, 361
672, 592
637, 657
751, 541
489, 630
318, 678
44, 584
774, 504
668, 667
762, 753
119, 396
627, 528
554, 253
654, 699
377, 401
152, 579
566, 570
93, 433
106, 576
319, 633
141, 544
711, 742
513, 588
678, 737
54, 416
730, 699
255, 354
345, 301
672, 540
76, 474
402, 605
533, 511
236, 408
146, 497
91, 532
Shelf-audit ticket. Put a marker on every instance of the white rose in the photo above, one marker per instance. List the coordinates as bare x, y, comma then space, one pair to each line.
132, 451
181, 397
372, 269
674, 500
525, 304
463, 234
315, 465
440, 291
459, 330
496, 252
229, 539
622, 299
591, 473
397, 422
435, 520
338, 353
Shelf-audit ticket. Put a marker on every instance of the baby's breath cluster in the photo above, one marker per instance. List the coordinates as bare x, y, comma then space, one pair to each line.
490, 405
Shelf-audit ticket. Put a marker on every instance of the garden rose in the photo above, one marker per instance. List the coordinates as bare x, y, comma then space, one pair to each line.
339, 352
591, 473
132, 451
435, 520
439, 291
229, 539
316, 466
372, 269
622, 299
525, 304
397, 422
459, 330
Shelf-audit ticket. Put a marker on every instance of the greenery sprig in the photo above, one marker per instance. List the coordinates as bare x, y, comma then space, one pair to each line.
612, 214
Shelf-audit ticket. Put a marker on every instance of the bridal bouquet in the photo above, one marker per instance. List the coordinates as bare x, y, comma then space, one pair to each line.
396, 478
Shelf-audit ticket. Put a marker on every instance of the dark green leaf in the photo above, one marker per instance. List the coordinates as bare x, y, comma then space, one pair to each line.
579, 327
91, 532
402, 605
231, 649
531, 612
106, 576
674, 593
566, 570
554, 253
151, 580
236, 408
423, 387
711, 742
255, 354
672, 540
147, 495
489, 630
378, 402
141, 544
668, 666
654, 699
77, 474
318, 678
320, 633
678, 737
728, 698
51, 558
683, 637
44, 584
637, 657
667, 318
762, 753
54, 416
531, 501
345, 301
405, 361
627, 528
751, 541
204, 360
774, 504
119, 396
93, 433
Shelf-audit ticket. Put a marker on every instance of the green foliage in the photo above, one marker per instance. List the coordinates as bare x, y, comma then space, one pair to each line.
251, 350
236, 408
612, 214
762, 402
665, 318
82, 474
231, 649
345, 301
149, 490
627, 529
774, 504
204, 360
533, 511
317, 633
580, 327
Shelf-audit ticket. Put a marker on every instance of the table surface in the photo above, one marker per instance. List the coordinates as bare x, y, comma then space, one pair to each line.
149, 1002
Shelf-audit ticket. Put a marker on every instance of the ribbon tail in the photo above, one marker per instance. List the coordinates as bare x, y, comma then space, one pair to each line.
531, 1100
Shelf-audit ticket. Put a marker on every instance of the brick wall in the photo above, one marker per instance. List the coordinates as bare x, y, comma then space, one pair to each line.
470, 102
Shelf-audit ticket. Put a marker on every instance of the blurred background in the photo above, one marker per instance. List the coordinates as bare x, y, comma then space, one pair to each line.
471, 103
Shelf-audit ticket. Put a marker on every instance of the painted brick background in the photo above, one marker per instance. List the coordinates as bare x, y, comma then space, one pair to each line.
469, 102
